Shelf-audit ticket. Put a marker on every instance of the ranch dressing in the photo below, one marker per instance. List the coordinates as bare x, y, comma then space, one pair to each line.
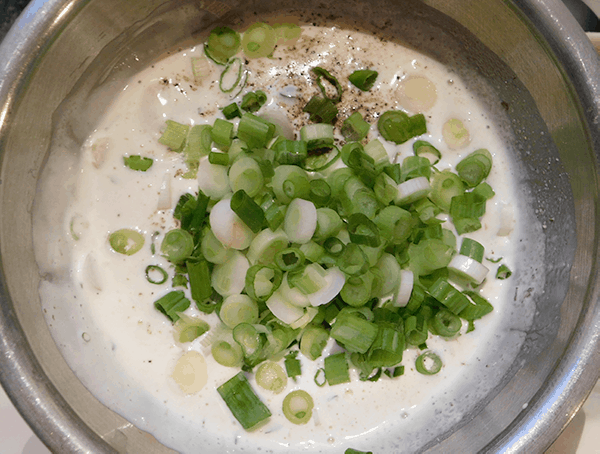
101, 310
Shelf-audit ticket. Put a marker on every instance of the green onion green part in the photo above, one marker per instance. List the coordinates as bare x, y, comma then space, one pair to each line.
243, 402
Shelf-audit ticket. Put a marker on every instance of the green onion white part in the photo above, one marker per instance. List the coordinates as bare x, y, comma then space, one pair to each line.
229, 278
300, 221
283, 309
228, 227
412, 190
468, 268
213, 179
334, 282
405, 288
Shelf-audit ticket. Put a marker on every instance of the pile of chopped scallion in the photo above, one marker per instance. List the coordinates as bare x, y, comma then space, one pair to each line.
296, 242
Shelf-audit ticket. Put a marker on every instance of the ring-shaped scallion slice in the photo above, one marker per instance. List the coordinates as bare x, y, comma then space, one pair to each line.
126, 241
259, 40
152, 271
428, 363
262, 281
297, 407
363, 79
222, 44
238, 309
271, 377
446, 324
177, 245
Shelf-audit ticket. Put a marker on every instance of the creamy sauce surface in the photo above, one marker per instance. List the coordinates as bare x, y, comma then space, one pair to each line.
100, 308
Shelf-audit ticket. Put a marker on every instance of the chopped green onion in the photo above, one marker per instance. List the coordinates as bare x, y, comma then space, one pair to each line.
255, 131
356, 451
262, 281
248, 211
265, 245
222, 133
415, 329
318, 135
503, 272
313, 341
228, 354
320, 109
231, 111
172, 303
428, 363
174, 135
298, 406
291, 151
363, 79
426, 150
151, 271
290, 182
126, 241
412, 190
449, 296
212, 249
429, 255
245, 174
484, 191
189, 328
259, 40
446, 324
222, 44
354, 332
455, 134
319, 378
292, 365
353, 260
396, 126
387, 348
232, 75
377, 151
472, 249
415, 166
289, 259
137, 162
253, 101
477, 310
300, 221
199, 276
336, 369
177, 245
271, 377
287, 33
475, 168
334, 246
329, 223
355, 128
320, 194
395, 224
238, 309
198, 144
229, 278
321, 162
200, 68
363, 231
444, 186
219, 159
323, 73
243, 402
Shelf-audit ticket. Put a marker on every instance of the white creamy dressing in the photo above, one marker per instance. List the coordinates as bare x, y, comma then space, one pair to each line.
123, 349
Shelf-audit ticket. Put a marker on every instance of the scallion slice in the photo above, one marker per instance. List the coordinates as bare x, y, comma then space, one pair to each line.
320, 109
126, 241
253, 101
424, 149
363, 79
222, 44
298, 406
248, 211
323, 73
428, 363
152, 271
355, 128
259, 40
137, 162
271, 377
174, 135
238, 309
228, 354
199, 276
396, 126
475, 167
172, 303
446, 324
292, 365
289, 259
336, 369
503, 272
318, 135
313, 341
262, 281
231, 111
177, 245
245, 405
255, 131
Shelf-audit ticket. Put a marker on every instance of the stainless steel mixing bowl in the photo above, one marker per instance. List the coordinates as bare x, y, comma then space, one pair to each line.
531, 52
